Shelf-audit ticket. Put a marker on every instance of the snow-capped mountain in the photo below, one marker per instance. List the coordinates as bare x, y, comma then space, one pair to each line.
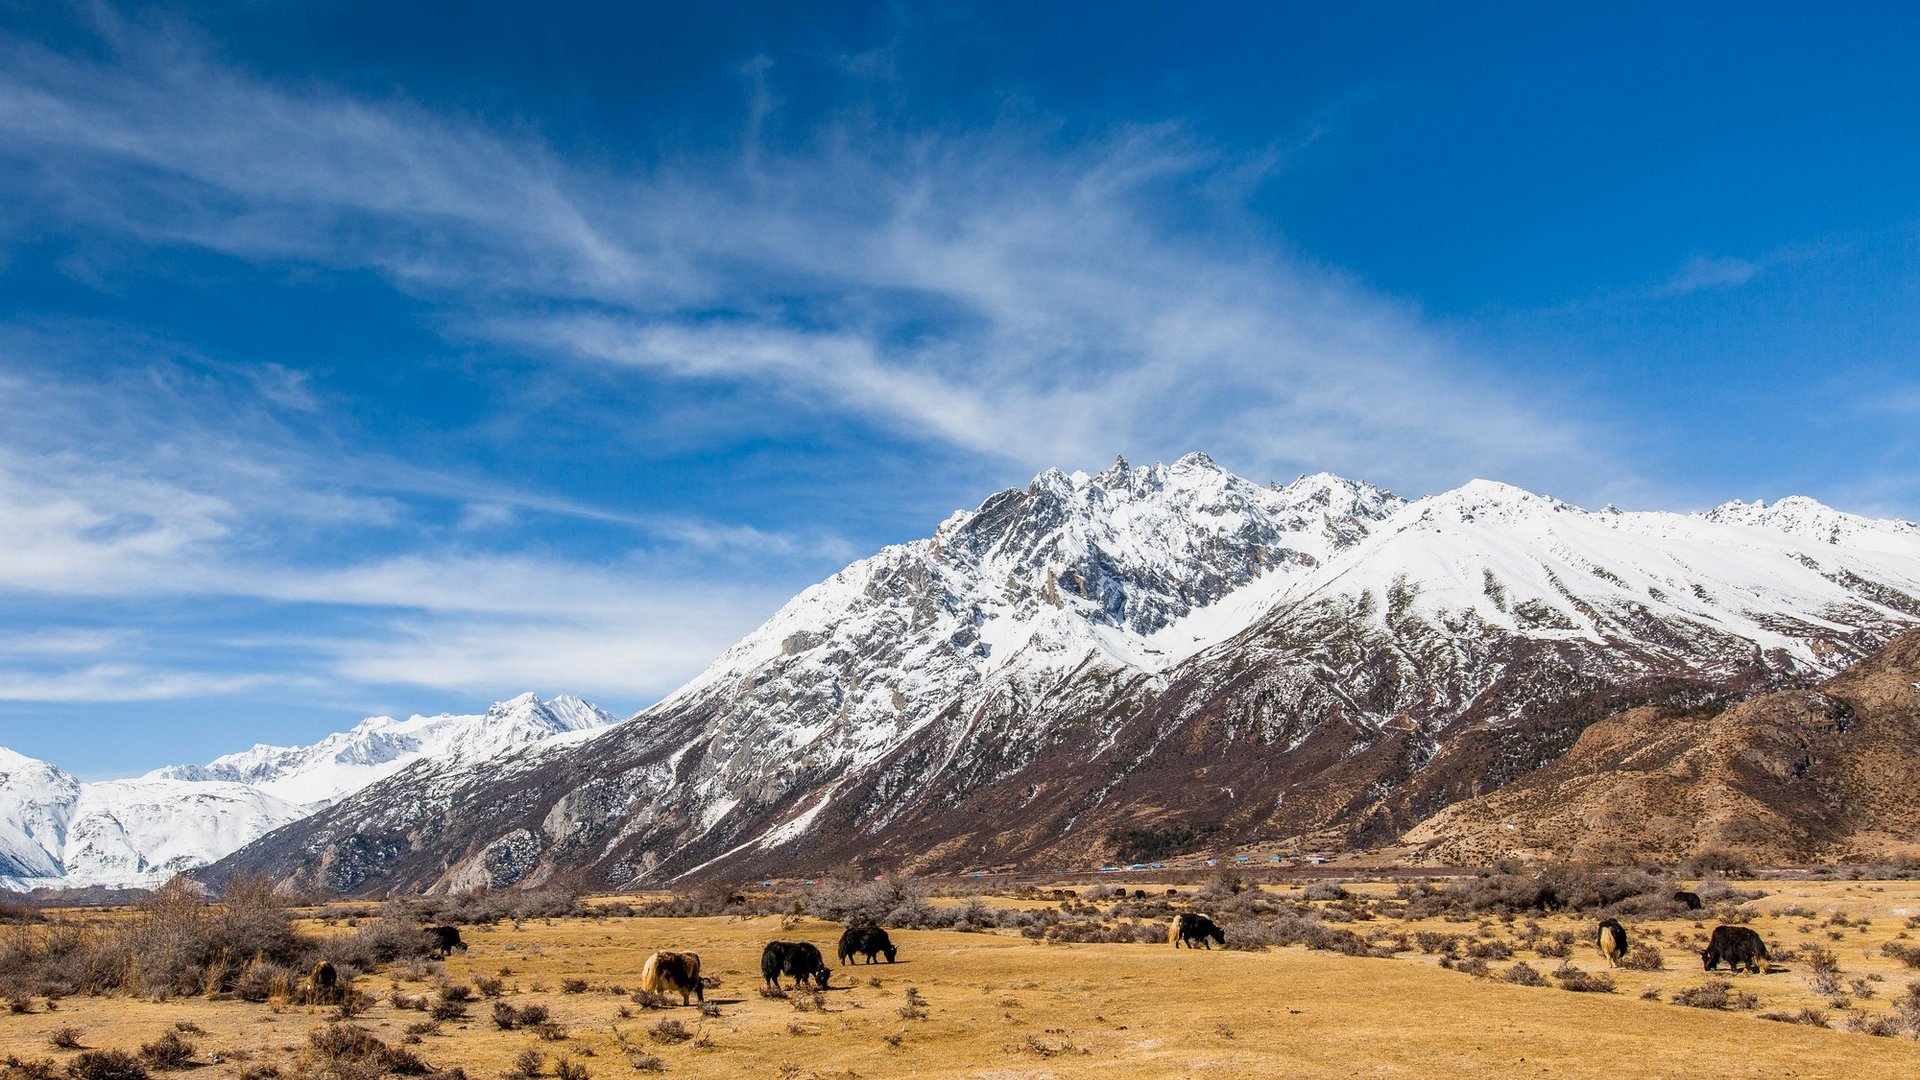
1161, 650
380, 746
56, 831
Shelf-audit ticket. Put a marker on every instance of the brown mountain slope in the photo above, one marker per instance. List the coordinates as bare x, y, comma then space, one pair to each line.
1782, 777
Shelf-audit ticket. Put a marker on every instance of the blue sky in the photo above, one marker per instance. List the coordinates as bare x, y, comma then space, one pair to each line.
376, 358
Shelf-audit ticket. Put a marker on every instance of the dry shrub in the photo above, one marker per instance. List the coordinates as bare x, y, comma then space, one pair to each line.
669, 1031
1715, 994
507, 1017
1523, 974
528, 1064
1493, 949
350, 1050
168, 1052
893, 900
13, 1067
106, 1065
573, 986
1807, 1015
65, 1038
1644, 957
1906, 954
1582, 982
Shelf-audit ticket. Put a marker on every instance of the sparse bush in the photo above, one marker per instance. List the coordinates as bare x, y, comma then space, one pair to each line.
893, 900
1906, 954
1523, 974
1582, 982
348, 1049
1715, 994
530, 1063
1324, 890
168, 1052
1825, 968
1492, 949
573, 986
65, 1038
669, 1031
566, 1069
1644, 957
13, 1067
1717, 861
1807, 1015
106, 1065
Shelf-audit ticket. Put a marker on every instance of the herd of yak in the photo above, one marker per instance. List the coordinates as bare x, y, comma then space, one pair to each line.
679, 972
665, 972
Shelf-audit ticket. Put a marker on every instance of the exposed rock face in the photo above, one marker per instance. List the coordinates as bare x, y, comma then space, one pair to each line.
1791, 776
1167, 651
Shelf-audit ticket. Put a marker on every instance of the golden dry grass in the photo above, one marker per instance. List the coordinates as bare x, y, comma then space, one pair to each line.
1001, 1006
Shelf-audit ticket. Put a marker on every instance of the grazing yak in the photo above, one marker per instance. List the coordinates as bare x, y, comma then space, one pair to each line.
1190, 927
323, 984
673, 972
1737, 947
446, 940
798, 960
1688, 900
1612, 940
867, 941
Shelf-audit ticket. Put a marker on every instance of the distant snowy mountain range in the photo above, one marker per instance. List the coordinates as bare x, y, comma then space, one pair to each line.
56, 831
1168, 651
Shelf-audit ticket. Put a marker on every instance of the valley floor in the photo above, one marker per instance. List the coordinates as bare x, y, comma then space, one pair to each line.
1003, 1006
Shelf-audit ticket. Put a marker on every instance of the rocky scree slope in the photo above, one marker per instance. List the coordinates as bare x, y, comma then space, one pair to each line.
1787, 777
1149, 658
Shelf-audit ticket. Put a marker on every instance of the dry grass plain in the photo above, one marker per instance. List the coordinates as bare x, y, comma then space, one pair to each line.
997, 1005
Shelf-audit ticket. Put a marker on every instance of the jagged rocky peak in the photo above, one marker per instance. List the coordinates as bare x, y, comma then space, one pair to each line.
1809, 519
1137, 547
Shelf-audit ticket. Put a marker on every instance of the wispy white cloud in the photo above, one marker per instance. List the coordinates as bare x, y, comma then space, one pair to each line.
123, 683
984, 289
1704, 272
